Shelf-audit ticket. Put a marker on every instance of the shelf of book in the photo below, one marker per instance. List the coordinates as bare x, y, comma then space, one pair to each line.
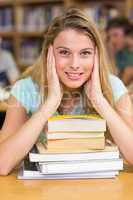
21, 19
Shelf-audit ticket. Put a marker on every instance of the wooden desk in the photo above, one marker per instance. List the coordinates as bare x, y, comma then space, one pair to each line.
120, 188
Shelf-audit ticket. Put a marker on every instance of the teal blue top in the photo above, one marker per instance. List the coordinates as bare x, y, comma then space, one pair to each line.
27, 93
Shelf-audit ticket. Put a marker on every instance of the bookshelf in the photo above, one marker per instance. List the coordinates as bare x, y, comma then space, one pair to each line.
102, 10
23, 22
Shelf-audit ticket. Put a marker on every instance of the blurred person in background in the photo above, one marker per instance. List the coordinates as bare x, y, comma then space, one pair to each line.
118, 49
129, 37
129, 72
8, 75
8, 69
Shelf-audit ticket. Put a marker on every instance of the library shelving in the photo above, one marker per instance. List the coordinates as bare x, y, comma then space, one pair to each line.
23, 22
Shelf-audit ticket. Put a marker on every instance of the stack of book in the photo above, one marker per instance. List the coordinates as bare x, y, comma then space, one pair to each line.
76, 148
76, 132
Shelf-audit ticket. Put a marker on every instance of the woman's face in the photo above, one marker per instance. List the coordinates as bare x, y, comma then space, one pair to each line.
74, 57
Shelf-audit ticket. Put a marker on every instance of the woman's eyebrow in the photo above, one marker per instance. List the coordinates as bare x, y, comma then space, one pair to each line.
88, 48
61, 47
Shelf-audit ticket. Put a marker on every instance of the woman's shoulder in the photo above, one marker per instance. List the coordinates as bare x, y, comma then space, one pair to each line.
118, 87
25, 85
24, 82
26, 91
116, 81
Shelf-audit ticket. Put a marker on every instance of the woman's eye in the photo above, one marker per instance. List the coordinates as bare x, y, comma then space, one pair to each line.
86, 53
64, 52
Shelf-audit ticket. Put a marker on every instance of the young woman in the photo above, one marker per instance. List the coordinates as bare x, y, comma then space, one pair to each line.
71, 77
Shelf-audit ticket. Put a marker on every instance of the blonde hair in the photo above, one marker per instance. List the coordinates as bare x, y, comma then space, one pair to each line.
72, 19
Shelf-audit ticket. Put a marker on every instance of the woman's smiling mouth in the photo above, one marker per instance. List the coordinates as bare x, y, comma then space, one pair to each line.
74, 76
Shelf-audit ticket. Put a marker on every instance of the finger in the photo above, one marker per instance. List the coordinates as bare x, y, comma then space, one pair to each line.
87, 87
55, 75
53, 68
53, 60
49, 69
96, 74
49, 63
96, 60
53, 72
96, 65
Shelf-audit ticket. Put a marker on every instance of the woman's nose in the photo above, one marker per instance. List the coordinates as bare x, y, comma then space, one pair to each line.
75, 64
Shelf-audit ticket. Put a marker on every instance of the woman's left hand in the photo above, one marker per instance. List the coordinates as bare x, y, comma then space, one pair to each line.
93, 86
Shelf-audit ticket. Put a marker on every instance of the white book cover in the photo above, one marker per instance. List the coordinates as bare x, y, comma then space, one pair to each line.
36, 157
81, 166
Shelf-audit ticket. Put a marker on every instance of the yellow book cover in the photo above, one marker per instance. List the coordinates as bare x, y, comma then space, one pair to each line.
60, 117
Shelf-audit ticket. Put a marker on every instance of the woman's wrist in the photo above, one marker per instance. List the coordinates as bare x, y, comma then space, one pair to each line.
47, 109
102, 106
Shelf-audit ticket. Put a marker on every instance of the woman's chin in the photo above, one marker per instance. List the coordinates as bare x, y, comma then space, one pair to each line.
73, 86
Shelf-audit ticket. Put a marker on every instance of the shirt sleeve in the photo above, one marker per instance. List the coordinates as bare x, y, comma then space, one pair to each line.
27, 94
10, 65
118, 87
13, 71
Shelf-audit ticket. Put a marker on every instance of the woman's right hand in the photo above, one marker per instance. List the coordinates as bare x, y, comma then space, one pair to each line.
54, 88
